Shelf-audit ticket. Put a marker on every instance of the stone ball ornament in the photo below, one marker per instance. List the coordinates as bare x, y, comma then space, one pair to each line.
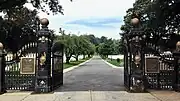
44, 22
1, 45
178, 46
134, 21
137, 59
178, 43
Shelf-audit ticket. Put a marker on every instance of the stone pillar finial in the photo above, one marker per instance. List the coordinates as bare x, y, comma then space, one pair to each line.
178, 46
1, 46
134, 21
44, 22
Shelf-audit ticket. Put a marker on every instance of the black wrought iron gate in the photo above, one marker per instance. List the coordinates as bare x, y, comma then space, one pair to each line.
127, 67
164, 74
36, 66
149, 64
159, 69
57, 65
14, 79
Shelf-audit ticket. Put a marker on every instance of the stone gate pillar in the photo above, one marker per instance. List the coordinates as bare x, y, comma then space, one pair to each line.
43, 72
2, 70
136, 39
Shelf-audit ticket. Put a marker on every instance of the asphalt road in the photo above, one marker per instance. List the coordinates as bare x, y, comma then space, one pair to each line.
94, 75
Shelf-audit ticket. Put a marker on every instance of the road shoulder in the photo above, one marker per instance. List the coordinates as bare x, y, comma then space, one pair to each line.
113, 66
73, 67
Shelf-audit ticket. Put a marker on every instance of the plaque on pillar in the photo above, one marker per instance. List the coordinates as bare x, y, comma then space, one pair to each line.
27, 65
152, 65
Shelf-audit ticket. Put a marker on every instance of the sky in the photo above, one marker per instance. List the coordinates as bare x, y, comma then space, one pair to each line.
98, 17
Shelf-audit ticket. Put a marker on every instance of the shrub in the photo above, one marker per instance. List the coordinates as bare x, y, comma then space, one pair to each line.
118, 60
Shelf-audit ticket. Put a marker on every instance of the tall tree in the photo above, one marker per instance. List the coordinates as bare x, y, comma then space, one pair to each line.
18, 28
75, 46
68, 43
45, 5
158, 18
94, 40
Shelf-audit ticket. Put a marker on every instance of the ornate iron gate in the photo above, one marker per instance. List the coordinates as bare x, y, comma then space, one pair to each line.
36, 66
127, 67
161, 74
149, 64
57, 65
159, 67
14, 79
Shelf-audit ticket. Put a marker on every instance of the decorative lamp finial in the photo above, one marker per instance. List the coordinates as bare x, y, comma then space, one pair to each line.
134, 21
178, 46
44, 22
1, 46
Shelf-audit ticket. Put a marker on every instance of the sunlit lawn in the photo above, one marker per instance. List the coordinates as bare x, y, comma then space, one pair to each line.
114, 62
74, 63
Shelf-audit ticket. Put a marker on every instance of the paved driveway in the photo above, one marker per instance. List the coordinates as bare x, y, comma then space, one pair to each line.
95, 75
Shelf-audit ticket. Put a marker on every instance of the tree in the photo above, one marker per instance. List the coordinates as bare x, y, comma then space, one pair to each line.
103, 39
68, 43
94, 40
91, 50
18, 28
45, 5
87, 46
19, 20
106, 48
158, 18
82, 46
75, 46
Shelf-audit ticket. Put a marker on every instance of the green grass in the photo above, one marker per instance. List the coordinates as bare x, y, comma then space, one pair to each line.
114, 62
74, 63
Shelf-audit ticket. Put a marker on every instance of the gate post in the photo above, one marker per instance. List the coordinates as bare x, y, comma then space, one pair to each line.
2, 70
43, 71
136, 39
176, 56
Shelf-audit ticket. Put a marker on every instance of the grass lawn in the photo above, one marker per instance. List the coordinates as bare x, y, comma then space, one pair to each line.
114, 62
73, 63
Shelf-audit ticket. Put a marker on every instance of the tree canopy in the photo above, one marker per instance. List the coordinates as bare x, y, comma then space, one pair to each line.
19, 23
44, 5
17, 28
75, 46
154, 14
158, 18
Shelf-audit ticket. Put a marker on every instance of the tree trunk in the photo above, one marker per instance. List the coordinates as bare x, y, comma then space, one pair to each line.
89, 55
68, 57
67, 60
76, 58
84, 56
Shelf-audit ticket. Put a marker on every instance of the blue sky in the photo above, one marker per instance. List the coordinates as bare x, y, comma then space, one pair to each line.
98, 17
97, 23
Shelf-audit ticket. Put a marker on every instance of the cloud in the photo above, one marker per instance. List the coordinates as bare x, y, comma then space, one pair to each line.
100, 17
97, 23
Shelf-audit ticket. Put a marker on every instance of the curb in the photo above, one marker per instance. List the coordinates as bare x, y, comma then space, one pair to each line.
17, 93
73, 67
111, 65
